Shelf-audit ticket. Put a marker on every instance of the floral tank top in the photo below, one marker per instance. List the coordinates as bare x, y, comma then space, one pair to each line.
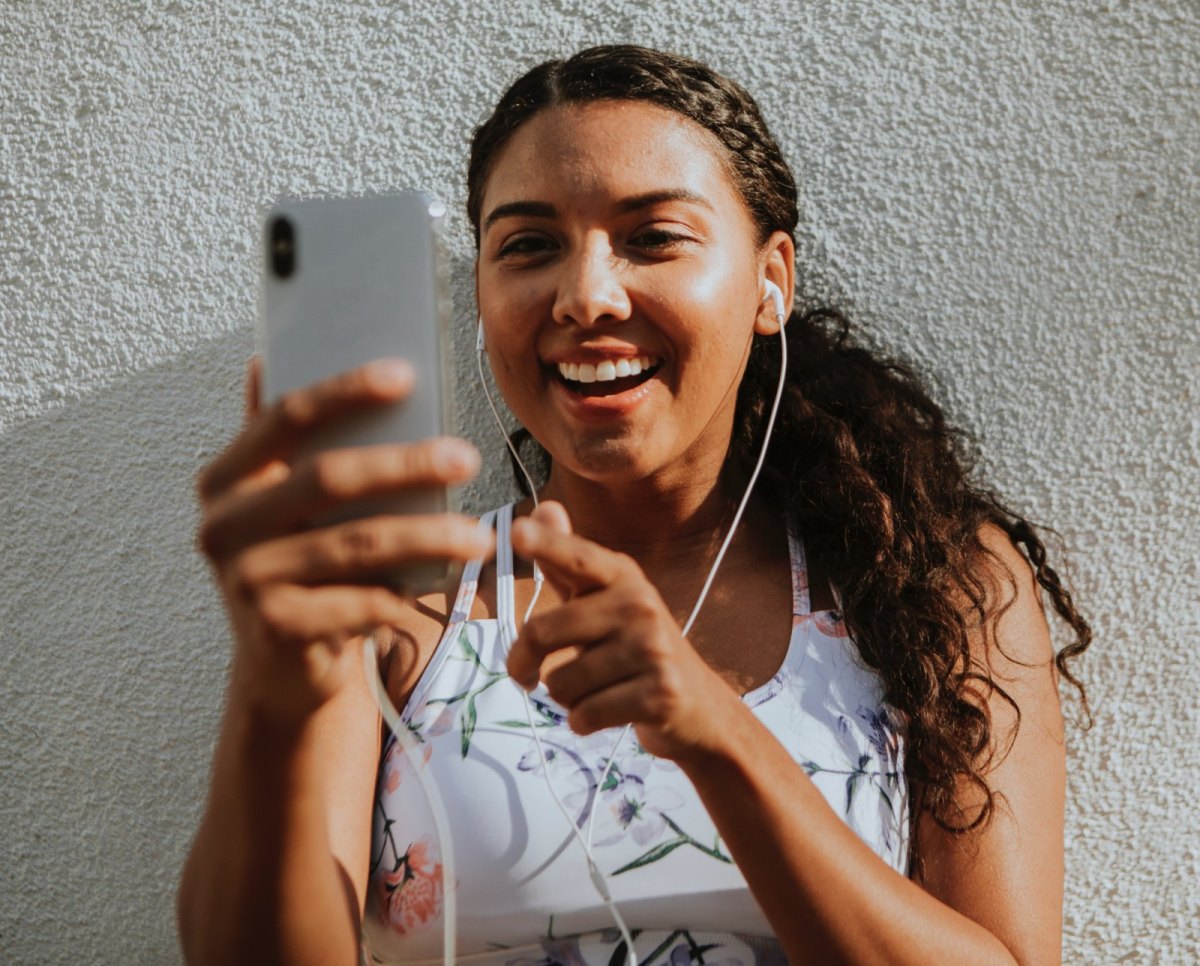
524, 893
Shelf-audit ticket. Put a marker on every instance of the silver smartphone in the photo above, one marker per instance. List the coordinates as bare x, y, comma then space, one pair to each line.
345, 281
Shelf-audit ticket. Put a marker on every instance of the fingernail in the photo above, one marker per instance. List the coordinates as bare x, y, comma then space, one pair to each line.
457, 456
391, 373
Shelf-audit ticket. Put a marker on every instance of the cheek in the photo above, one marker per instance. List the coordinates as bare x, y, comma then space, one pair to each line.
714, 316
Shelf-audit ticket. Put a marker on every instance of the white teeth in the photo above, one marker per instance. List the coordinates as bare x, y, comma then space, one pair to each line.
607, 370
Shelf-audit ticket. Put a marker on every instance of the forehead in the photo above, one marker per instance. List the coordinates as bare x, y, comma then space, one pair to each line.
606, 149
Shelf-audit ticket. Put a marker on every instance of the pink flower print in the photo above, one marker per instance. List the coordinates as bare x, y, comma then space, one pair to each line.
397, 766
410, 896
433, 718
391, 780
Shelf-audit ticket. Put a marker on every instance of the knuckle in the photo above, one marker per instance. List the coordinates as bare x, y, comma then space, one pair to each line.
637, 608
627, 566
242, 578
558, 683
296, 411
362, 543
662, 704
326, 475
275, 613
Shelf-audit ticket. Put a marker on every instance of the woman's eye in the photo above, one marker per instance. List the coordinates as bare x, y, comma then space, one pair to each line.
524, 245
657, 238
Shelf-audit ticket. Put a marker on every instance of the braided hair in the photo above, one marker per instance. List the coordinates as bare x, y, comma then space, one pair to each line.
883, 489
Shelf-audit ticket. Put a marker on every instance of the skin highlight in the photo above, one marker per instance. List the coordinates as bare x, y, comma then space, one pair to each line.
676, 278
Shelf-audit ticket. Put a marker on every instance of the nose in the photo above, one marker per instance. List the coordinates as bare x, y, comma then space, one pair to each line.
591, 291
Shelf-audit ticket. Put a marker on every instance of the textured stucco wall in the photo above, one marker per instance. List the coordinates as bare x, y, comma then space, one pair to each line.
1005, 193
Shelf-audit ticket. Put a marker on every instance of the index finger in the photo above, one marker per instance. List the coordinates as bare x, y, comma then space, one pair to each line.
574, 563
274, 433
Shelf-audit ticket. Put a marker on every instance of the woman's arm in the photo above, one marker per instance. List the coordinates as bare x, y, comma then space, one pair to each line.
279, 867
993, 896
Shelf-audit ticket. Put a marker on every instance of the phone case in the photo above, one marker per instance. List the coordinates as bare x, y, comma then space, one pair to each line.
346, 281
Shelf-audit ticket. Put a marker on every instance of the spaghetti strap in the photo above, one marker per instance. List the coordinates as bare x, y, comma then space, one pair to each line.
459, 615
801, 599
473, 728
505, 579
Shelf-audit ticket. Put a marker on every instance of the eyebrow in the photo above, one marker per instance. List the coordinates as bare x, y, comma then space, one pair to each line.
542, 209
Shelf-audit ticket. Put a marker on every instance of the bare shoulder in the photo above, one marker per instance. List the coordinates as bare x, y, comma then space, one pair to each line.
1008, 875
1014, 601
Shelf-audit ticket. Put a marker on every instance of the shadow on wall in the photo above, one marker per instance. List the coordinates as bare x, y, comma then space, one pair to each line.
114, 658
116, 647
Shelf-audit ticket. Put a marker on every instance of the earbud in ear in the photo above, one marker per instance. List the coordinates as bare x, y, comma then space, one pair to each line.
775, 294
479, 336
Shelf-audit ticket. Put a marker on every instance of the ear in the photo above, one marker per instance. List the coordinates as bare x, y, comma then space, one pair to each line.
777, 263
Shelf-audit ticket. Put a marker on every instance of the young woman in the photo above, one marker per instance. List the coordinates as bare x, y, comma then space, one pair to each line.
854, 754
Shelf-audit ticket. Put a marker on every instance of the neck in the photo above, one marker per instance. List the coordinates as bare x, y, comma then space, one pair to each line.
673, 530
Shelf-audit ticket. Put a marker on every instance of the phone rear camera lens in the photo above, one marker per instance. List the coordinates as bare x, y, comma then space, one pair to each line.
282, 248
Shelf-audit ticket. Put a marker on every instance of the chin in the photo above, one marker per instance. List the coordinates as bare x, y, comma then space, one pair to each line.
609, 461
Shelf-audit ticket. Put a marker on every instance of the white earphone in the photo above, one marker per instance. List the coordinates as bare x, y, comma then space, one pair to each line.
774, 293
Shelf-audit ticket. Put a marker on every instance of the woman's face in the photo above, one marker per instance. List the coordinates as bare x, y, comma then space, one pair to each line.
620, 280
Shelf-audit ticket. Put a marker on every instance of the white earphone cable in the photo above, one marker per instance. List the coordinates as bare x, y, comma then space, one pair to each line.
762, 455
409, 745
437, 808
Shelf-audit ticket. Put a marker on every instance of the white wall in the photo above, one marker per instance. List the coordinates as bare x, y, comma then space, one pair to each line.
1005, 193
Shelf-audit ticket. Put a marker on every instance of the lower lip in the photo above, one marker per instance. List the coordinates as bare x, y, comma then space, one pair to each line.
602, 408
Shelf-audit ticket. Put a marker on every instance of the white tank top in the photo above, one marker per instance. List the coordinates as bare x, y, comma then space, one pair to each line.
525, 896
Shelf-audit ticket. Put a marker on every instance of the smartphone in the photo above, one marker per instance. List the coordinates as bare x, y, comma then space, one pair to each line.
347, 280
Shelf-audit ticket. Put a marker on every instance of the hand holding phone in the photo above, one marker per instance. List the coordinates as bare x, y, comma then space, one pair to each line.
297, 595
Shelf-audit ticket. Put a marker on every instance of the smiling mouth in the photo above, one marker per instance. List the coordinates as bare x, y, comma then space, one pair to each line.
608, 378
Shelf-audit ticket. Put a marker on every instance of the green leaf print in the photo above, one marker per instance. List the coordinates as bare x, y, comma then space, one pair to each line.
851, 788
468, 728
469, 652
468, 715
887, 800
660, 851
663, 849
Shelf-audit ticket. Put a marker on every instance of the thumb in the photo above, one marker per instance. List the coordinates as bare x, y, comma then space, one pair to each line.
552, 514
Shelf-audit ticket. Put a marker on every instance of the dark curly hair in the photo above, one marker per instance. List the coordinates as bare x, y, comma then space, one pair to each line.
882, 487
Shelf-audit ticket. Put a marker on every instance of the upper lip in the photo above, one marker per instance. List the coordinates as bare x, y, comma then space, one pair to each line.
597, 354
